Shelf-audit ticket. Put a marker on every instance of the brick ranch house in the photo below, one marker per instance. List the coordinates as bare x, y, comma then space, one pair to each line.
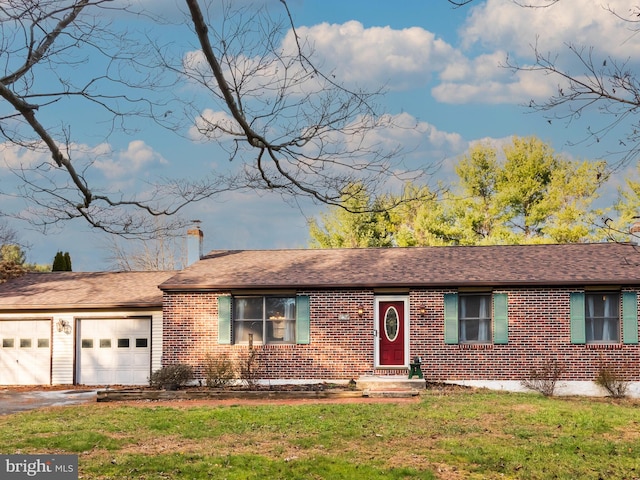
481, 315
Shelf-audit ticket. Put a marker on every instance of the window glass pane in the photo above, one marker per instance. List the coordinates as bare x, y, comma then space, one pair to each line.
25, 343
242, 329
105, 343
391, 324
475, 318
281, 331
280, 308
268, 319
602, 322
249, 308
43, 343
87, 343
141, 342
7, 343
123, 343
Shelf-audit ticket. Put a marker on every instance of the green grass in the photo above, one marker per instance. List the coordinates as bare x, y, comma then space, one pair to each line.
456, 435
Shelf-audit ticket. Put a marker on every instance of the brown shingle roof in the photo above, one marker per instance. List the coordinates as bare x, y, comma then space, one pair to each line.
74, 290
503, 265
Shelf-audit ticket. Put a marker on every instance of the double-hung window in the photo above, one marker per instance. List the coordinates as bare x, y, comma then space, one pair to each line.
475, 318
602, 321
268, 319
602, 317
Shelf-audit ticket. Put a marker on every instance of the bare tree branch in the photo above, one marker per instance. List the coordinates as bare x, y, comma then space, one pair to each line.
288, 125
298, 120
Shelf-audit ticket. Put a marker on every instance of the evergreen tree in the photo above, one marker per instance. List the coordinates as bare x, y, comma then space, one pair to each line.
525, 193
61, 262
67, 261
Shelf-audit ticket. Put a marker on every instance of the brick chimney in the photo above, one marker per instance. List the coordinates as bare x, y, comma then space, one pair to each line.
195, 238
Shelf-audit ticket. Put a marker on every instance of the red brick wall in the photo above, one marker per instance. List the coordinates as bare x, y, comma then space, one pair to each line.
539, 332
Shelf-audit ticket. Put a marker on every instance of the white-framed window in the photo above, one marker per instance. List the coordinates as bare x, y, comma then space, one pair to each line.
270, 319
474, 318
602, 317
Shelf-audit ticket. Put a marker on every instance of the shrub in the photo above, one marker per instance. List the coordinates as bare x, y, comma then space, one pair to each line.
219, 371
614, 383
172, 376
543, 379
249, 367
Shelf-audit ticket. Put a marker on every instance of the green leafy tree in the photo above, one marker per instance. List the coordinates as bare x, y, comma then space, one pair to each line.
13, 254
525, 193
474, 208
12, 261
425, 222
625, 211
528, 194
341, 228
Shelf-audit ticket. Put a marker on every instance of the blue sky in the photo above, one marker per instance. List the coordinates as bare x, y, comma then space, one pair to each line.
442, 70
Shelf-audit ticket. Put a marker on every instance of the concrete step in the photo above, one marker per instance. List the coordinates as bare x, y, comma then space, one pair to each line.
390, 383
390, 393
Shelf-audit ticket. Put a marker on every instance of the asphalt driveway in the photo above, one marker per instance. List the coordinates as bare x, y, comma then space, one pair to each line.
19, 400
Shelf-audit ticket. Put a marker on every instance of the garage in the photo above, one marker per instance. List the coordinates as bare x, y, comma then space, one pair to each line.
25, 352
113, 351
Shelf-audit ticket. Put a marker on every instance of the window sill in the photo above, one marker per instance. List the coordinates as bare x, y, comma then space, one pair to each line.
603, 346
475, 346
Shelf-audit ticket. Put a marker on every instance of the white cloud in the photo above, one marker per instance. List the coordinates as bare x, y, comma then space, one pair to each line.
422, 144
213, 125
134, 159
519, 87
15, 157
377, 55
497, 29
500, 23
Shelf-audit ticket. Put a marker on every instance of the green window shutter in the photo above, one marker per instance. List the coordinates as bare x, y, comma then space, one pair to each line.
303, 320
578, 329
224, 320
450, 318
630, 317
500, 319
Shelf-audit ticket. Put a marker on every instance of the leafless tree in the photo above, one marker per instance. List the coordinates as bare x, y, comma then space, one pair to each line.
162, 253
603, 84
607, 86
293, 128
8, 235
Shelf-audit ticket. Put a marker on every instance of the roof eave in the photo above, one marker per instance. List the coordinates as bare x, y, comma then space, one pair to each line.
81, 307
371, 285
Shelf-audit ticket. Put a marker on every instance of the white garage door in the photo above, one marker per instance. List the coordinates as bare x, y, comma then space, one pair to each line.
25, 352
114, 351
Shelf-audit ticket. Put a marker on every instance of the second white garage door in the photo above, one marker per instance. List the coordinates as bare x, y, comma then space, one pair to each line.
114, 351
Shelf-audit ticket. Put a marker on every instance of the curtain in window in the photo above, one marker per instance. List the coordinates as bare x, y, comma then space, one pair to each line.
483, 325
607, 324
290, 324
241, 303
591, 327
463, 315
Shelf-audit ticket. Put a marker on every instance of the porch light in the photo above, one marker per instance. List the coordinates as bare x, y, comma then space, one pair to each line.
63, 326
360, 311
423, 310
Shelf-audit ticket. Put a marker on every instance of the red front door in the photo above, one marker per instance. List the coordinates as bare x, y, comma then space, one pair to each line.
391, 328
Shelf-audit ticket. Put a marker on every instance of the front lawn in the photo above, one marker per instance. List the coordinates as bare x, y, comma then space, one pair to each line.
452, 435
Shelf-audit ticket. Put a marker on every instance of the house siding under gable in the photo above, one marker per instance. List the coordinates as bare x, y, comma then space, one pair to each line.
538, 332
